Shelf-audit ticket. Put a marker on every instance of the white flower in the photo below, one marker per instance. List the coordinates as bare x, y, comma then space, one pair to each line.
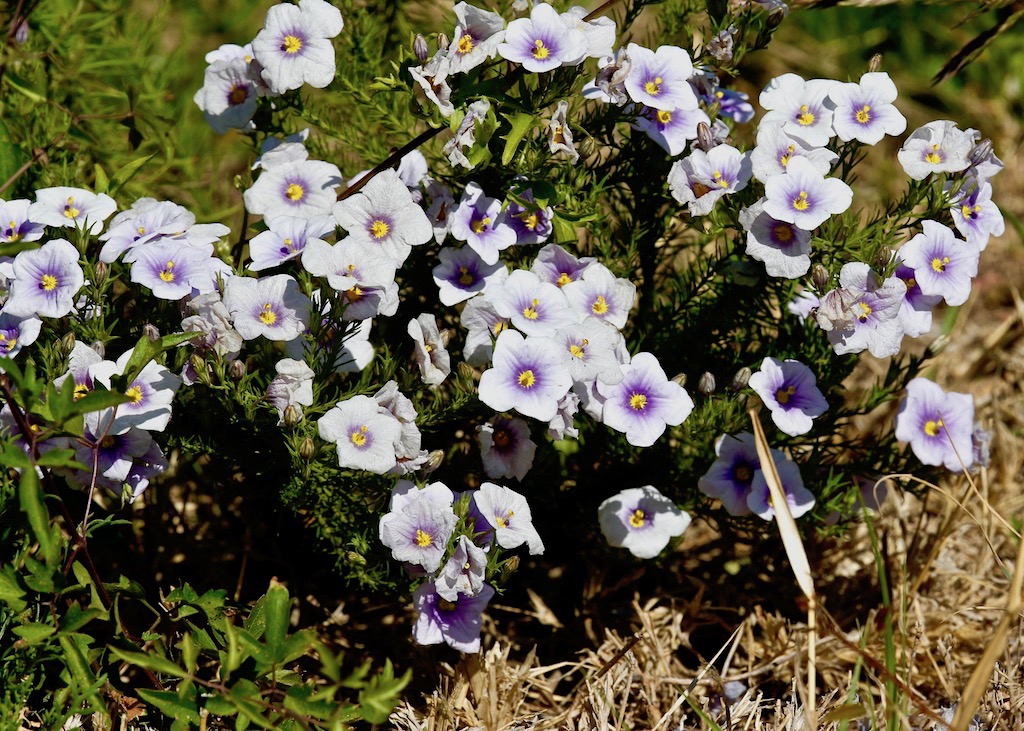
642, 520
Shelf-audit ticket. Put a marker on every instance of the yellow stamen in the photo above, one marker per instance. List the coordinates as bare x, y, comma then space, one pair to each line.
864, 114
638, 402
530, 313
579, 350
600, 305
358, 437
48, 282
166, 274
423, 539
540, 51
295, 192
933, 157
783, 233
939, 265
722, 182
354, 294
527, 379
465, 278
134, 393
465, 44
563, 279
379, 229
931, 428
801, 203
499, 327
480, 225
663, 116
806, 117
503, 522
291, 45
653, 87
69, 209
267, 314
865, 312
782, 395
637, 518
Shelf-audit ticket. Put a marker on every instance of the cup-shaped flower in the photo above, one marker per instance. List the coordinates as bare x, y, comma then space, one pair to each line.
804, 197
641, 520
273, 307
508, 514
700, 179
871, 318
463, 274
599, 293
784, 248
151, 394
776, 147
802, 106
506, 447
16, 333
293, 386
294, 47
46, 281
943, 264
364, 433
480, 222
418, 532
975, 216
644, 402
543, 42
864, 111
72, 208
527, 375
477, 35
937, 147
799, 498
285, 239
660, 78
428, 350
456, 623
484, 324
532, 223
557, 266
228, 95
672, 130
383, 214
173, 270
789, 390
303, 188
533, 306
938, 424
464, 571
731, 477
15, 224
590, 351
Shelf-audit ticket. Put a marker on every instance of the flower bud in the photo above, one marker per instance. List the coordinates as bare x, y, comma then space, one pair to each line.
419, 48
509, 567
292, 415
937, 345
741, 379
100, 272
706, 384
434, 460
236, 369
151, 332
442, 42
98, 348
466, 371
705, 140
679, 378
200, 369
67, 344
883, 258
775, 18
820, 278
445, 336
307, 450
21, 35
981, 152
875, 64
355, 558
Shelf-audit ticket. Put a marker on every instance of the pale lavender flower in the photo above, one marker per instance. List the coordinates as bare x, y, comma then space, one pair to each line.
16, 333
641, 520
441, 204
560, 134
599, 32
429, 350
362, 274
984, 163
775, 148
304, 188
383, 215
937, 147
506, 447
801, 106
80, 362
294, 46
672, 130
610, 84
589, 351
873, 311
115, 455
943, 265
916, 310
645, 402
15, 224
660, 78
803, 304
463, 274
147, 220
562, 425
784, 248
456, 623
556, 265
798, 497
534, 307
365, 435
214, 321
172, 269
508, 513
532, 224
700, 179
463, 573
418, 531
599, 293
72, 208
293, 386
789, 390
432, 77
543, 42
975, 216
731, 477
804, 197
864, 111
151, 394
273, 307
484, 325
46, 281
734, 104
480, 222
285, 239
477, 35
393, 401
938, 424
228, 95
527, 375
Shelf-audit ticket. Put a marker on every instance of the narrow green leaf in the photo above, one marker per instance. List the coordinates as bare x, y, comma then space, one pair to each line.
14, 248
97, 399
218, 705
11, 591
34, 632
30, 494
156, 663
521, 123
61, 458
75, 617
301, 700
25, 88
169, 703
78, 666
380, 696
13, 456
278, 608
101, 182
127, 172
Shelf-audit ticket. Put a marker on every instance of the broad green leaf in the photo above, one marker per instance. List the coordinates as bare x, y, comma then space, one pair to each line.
75, 617
520, 124
101, 182
156, 663
62, 458
218, 705
256, 622
34, 632
278, 608
127, 172
146, 350
30, 495
14, 456
300, 699
11, 591
14, 248
168, 702
97, 399
380, 695
41, 576
563, 231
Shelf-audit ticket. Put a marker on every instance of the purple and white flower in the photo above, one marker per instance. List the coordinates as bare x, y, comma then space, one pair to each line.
731, 477
285, 239
365, 434
384, 215
937, 147
429, 350
673, 129
303, 188
590, 351
418, 531
660, 78
700, 179
864, 111
72, 208
46, 281
804, 197
534, 307
870, 320
463, 274
784, 248
151, 394
464, 572
975, 216
456, 623
938, 424
641, 520
789, 390
15, 224
556, 265
16, 333
798, 497
802, 107
599, 293
293, 386
527, 375
477, 35
644, 402
508, 514
294, 47
484, 324
943, 265
273, 307
775, 148
228, 95
543, 42
506, 447
480, 222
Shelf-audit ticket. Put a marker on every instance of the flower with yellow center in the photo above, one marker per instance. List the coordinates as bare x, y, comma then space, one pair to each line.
479, 225
939, 264
638, 518
638, 401
70, 210
806, 117
933, 156
465, 278
423, 539
167, 273
782, 395
530, 313
379, 229
267, 314
134, 393
801, 203
465, 44
600, 305
48, 282
527, 379
295, 192
653, 86
291, 45
863, 114
540, 51
932, 427
358, 436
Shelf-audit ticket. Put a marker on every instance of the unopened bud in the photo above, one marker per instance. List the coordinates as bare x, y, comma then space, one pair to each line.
510, 566
938, 345
883, 258
21, 35
442, 42
679, 378
434, 460
775, 18
100, 272
236, 369
292, 415
67, 344
705, 140
199, 368
466, 371
875, 64
820, 278
99, 348
706, 384
741, 379
419, 48
151, 332
355, 558
981, 152
307, 450
445, 336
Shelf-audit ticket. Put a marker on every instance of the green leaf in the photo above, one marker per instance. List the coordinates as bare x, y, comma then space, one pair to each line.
34, 632
563, 231
78, 666
62, 458
218, 705
14, 457
520, 124
24, 87
41, 575
30, 494
101, 182
97, 399
300, 699
127, 172
278, 608
10, 154
169, 703
11, 591
146, 350
380, 696
14, 248
75, 617
156, 663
